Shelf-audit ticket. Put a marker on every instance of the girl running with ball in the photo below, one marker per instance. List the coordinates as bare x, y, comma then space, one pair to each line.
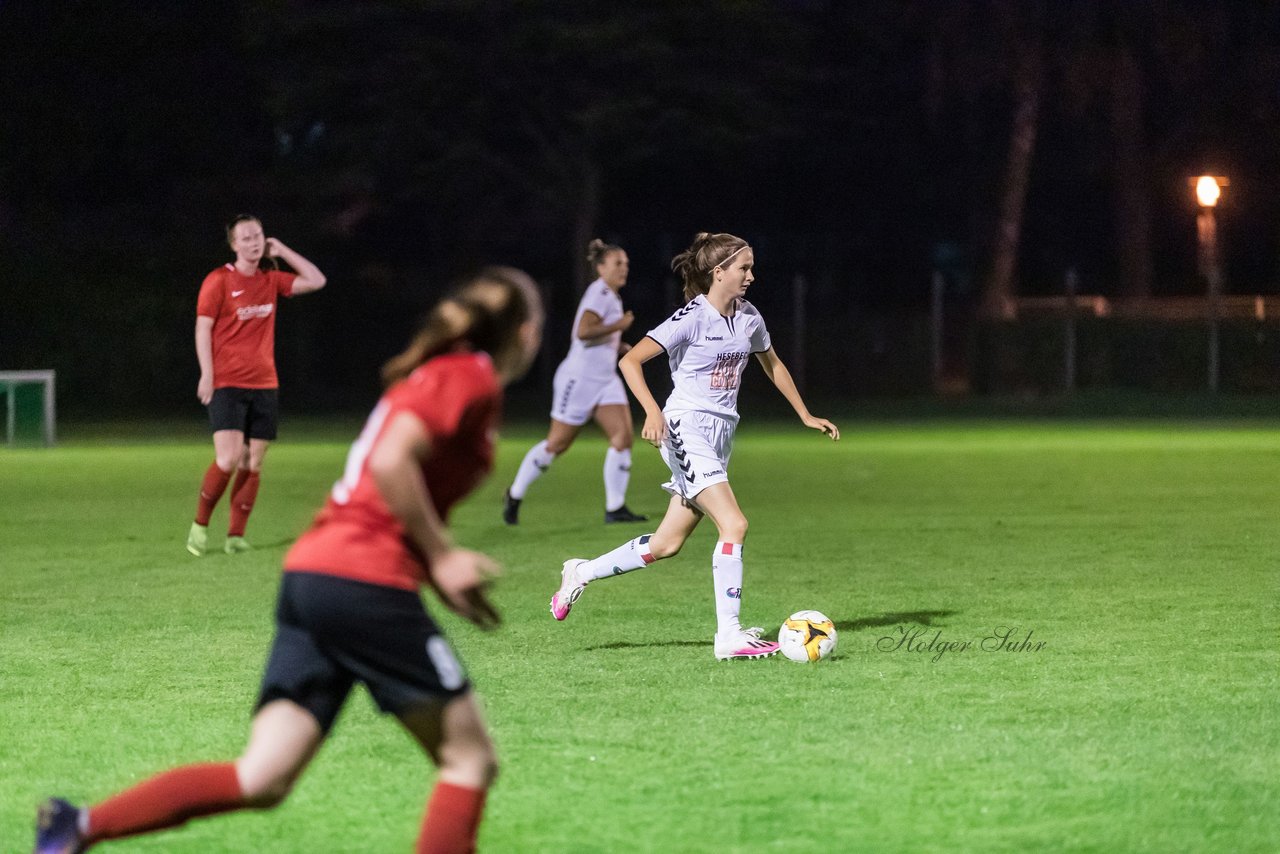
707, 343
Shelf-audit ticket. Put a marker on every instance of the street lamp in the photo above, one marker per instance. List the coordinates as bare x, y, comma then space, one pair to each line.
1208, 191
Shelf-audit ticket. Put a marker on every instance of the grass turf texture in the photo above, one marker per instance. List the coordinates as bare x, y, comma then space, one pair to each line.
1142, 556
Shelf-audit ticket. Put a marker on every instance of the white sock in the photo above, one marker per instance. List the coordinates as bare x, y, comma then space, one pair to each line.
633, 554
726, 572
532, 466
617, 474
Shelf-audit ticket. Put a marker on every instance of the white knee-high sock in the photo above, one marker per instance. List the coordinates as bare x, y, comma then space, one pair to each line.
633, 554
617, 474
532, 466
726, 572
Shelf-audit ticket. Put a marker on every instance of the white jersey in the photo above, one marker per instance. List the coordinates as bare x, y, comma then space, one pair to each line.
708, 353
599, 359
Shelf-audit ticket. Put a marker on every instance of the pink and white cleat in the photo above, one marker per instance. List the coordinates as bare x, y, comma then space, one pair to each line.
570, 589
745, 643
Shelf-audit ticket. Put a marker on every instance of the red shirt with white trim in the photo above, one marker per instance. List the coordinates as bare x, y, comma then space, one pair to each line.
458, 399
243, 309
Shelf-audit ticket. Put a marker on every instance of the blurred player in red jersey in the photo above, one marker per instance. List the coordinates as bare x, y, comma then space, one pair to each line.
349, 608
235, 343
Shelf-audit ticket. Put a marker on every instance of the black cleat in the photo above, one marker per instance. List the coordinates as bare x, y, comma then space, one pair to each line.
510, 509
622, 514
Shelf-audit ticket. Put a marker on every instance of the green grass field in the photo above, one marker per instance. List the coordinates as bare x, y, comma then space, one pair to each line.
1143, 557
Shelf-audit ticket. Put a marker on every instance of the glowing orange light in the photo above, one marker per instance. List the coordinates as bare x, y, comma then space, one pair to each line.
1208, 190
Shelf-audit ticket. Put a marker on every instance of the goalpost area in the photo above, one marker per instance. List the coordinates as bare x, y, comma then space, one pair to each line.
29, 407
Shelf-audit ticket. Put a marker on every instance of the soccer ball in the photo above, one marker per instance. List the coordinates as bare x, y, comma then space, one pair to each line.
807, 636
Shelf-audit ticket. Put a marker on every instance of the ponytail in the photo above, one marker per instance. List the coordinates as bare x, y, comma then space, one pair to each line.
483, 314
696, 264
597, 250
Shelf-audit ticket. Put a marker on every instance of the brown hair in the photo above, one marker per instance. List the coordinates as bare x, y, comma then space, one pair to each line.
231, 233
598, 249
236, 220
485, 312
708, 251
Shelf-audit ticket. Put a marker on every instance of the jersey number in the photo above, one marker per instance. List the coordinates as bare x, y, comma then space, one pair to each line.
359, 453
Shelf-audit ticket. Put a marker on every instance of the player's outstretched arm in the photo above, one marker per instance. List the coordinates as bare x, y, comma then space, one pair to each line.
632, 369
460, 576
309, 276
781, 378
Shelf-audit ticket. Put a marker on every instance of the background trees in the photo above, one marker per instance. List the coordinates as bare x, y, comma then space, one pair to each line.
400, 144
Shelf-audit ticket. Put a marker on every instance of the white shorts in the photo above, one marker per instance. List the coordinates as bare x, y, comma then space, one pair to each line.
576, 398
696, 449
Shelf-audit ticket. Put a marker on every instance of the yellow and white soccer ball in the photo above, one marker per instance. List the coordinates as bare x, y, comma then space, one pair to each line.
807, 636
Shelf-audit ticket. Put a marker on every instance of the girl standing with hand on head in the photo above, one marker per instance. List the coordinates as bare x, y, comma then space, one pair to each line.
587, 386
235, 345
349, 608
707, 343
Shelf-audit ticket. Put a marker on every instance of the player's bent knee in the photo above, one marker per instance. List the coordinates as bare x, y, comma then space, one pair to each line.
558, 448
734, 531
475, 769
263, 791
268, 795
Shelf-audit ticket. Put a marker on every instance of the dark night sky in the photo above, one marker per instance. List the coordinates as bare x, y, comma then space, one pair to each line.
401, 144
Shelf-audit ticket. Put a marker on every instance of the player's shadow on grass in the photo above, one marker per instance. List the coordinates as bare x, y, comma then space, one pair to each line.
923, 618
636, 645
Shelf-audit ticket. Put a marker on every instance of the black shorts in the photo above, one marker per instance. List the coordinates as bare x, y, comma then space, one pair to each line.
252, 411
333, 632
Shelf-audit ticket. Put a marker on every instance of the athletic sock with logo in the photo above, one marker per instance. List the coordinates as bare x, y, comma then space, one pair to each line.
537, 461
633, 554
452, 819
617, 474
726, 572
167, 800
211, 489
243, 495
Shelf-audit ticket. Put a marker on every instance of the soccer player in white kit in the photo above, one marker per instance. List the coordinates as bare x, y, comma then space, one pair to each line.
707, 342
586, 385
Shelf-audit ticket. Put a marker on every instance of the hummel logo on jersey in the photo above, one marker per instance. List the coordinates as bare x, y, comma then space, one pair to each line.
714, 338
236, 293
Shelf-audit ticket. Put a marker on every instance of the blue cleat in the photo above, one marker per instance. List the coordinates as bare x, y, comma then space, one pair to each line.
58, 828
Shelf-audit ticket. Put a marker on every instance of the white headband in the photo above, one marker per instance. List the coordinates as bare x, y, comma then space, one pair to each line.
730, 255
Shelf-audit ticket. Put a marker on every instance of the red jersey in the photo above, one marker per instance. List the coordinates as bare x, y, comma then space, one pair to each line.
243, 309
457, 398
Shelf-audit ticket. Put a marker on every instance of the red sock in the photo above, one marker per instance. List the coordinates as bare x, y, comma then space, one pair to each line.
243, 494
211, 489
167, 800
453, 816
